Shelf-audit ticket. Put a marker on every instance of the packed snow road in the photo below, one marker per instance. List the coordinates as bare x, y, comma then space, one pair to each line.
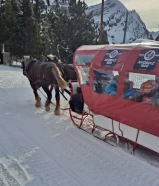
38, 148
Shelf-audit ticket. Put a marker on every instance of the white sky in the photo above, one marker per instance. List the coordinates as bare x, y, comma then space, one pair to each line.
147, 9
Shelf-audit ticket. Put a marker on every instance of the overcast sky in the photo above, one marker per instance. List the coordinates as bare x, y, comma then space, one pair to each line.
147, 9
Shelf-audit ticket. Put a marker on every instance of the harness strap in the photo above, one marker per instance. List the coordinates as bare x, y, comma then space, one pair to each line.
63, 95
67, 91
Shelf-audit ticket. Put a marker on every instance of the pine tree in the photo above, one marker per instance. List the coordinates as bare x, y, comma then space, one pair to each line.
73, 29
21, 26
8, 32
30, 29
39, 10
56, 31
2, 10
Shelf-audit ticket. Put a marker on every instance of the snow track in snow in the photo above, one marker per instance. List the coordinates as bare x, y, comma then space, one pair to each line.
38, 148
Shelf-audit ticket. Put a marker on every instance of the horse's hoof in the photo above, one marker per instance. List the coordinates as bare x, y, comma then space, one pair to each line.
57, 112
47, 109
37, 105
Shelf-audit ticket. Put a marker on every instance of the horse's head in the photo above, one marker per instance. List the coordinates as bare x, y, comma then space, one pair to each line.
24, 65
56, 60
24, 68
52, 58
68, 72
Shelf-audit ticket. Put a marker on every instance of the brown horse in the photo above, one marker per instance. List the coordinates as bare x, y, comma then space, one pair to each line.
42, 74
67, 70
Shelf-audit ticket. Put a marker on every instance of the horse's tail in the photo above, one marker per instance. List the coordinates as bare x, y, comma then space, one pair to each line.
61, 82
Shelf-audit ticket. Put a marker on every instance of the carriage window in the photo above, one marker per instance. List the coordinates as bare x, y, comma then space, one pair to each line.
105, 82
84, 59
83, 72
142, 88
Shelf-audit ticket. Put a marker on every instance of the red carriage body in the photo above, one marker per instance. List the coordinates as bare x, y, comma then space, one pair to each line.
132, 64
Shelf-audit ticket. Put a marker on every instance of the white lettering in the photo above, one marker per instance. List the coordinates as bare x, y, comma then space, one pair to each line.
152, 63
110, 61
146, 66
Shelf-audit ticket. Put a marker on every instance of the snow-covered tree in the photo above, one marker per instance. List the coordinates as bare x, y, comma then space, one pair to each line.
72, 28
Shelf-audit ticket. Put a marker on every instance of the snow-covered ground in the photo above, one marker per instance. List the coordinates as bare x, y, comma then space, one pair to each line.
16, 63
38, 148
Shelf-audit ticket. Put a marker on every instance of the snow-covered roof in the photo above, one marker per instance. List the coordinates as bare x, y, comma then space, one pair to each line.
103, 47
145, 41
91, 47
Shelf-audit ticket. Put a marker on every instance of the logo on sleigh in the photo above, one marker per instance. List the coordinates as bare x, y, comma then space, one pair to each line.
149, 55
113, 54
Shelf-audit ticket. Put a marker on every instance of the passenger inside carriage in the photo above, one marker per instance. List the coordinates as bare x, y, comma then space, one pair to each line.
145, 91
155, 96
129, 92
98, 87
99, 84
143, 88
111, 87
151, 92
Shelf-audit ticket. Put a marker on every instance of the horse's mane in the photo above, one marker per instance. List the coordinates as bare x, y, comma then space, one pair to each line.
28, 65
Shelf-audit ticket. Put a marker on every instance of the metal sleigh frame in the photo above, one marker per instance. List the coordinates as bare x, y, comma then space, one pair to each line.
79, 119
117, 136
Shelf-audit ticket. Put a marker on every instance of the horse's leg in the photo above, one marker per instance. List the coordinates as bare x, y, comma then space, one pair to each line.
49, 97
57, 95
37, 97
51, 88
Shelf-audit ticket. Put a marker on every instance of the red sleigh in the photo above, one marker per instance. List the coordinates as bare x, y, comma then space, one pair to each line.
110, 77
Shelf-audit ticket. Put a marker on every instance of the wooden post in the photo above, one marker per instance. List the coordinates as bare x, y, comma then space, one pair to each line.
157, 38
3, 49
48, 2
125, 27
101, 22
